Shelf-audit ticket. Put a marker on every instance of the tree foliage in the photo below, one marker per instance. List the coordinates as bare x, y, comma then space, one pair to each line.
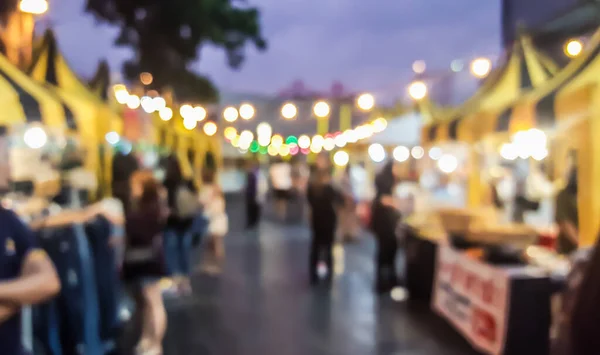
167, 36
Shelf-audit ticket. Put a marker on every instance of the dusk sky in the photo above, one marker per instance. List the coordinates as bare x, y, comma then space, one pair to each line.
367, 45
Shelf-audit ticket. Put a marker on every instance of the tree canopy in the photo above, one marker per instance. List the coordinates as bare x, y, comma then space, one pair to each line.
167, 36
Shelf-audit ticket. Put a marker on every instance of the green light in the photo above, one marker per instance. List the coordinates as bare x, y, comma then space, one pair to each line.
291, 140
262, 150
254, 146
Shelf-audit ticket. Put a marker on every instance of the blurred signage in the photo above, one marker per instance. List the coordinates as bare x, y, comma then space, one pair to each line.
132, 125
473, 297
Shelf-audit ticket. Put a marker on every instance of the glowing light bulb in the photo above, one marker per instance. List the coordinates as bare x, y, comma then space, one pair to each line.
289, 111
246, 111
341, 158
230, 114
210, 128
165, 114
365, 102
321, 109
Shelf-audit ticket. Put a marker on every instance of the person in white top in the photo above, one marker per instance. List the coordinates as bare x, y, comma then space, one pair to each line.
213, 201
281, 179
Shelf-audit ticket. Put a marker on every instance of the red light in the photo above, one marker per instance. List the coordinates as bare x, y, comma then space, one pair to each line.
305, 151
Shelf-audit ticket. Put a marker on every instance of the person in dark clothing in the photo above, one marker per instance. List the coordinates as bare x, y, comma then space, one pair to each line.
252, 205
323, 200
567, 216
123, 167
143, 264
385, 218
178, 237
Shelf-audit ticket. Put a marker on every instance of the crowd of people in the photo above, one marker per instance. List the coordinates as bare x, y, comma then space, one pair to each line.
165, 222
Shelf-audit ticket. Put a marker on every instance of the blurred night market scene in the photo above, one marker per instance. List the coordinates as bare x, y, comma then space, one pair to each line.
220, 177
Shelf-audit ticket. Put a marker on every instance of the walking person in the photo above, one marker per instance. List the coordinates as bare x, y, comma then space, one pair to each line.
385, 216
253, 207
144, 265
323, 200
213, 202
348, 226
183, 207
281, 179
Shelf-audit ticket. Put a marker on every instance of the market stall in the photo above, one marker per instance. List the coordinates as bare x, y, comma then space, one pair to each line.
42, 182
471, 264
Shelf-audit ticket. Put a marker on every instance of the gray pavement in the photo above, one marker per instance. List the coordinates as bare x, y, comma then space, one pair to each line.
261, 304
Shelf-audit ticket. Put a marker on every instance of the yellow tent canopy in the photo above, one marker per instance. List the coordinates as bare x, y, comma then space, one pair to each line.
524, 69
25, 101
97, 119
570, 103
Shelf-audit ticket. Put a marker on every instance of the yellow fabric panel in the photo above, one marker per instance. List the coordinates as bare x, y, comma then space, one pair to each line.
588, 174
186, 166
51, 109
484, 124
441, 133
507, 88
217, 149
85, 115
12, 111
522, 117
466, 130
425, 134
38, 72
535, 67
574, 104
475, 187
68, 80
574, 99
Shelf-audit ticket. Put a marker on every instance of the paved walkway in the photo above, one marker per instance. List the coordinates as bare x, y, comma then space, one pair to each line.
262, 305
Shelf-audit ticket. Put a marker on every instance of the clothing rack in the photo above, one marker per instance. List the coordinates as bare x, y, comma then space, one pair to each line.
83, 318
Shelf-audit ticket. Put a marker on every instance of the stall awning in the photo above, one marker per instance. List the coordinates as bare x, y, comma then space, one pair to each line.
524, 69
24, 100
567, 96
49, 66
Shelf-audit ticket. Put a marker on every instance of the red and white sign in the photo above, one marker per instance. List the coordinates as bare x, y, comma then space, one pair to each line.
473, 297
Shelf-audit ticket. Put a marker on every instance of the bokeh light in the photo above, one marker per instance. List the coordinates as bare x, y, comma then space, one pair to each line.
289, 111
230, 114
341, 158
210, 128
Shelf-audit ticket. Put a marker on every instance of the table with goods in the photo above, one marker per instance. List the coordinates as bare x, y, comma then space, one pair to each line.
491, 282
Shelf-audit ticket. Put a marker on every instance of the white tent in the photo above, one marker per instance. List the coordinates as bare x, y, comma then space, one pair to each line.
404, 130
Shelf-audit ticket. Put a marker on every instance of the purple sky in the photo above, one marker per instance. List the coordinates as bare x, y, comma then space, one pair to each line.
367, 45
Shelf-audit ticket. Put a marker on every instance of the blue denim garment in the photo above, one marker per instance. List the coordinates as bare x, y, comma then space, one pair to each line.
178, 251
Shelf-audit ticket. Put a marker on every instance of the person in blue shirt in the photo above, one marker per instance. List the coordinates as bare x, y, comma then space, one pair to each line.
27, 276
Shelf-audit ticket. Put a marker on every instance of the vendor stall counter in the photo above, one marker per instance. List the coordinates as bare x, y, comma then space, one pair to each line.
499, 309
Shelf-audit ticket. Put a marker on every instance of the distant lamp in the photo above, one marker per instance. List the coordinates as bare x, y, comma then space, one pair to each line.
289, 111
481, 67
210, 128
321, 109
133, 102
365, 102
146, 78
230, 114
186, 111
417, 90
247, 111
34, 7
165, 113
419, 66
199, 113
189, 123
573, 48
